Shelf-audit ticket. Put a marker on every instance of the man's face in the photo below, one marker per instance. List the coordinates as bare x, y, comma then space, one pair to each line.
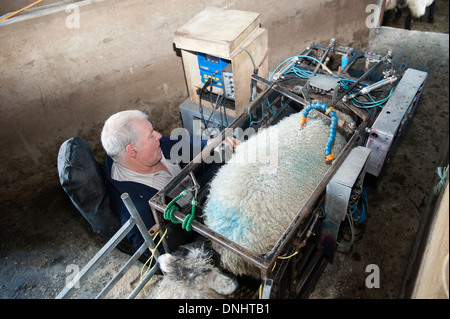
148, 152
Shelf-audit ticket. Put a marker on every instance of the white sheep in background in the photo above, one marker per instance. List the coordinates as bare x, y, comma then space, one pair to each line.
417, 9
252, 202
393, 4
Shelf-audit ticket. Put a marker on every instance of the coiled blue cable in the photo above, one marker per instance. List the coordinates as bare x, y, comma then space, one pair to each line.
334, 121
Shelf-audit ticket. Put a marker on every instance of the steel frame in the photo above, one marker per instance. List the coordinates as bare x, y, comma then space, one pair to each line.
264, 262
135, 220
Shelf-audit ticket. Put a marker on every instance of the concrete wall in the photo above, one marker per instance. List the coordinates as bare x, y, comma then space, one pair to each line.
8, 6
58, 82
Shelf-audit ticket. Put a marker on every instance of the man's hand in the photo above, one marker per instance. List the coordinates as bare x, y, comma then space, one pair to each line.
228, 141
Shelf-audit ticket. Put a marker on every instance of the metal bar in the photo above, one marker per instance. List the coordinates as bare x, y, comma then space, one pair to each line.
268, 284
351, 61
290, 95
359, 80
135, 220
322, 60
144, 281
139, 223
249, 108
311, 272
122, 271
160, 224
261, 80
97, 259
389, 123
158, 198
219, 239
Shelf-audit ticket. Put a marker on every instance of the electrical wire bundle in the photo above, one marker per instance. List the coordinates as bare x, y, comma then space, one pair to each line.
219, 103
356, 216
289, 67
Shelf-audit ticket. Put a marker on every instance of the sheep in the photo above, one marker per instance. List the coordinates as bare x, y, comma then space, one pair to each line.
192, 273
253, 199
395, 4
416, 8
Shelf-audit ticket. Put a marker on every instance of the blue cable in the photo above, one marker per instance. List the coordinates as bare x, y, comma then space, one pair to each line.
293, 57
306, 74
334, 121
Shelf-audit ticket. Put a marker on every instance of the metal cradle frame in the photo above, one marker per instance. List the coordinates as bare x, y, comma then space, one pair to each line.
264, 262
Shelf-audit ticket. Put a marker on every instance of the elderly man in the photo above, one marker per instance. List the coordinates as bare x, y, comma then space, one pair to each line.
138, 163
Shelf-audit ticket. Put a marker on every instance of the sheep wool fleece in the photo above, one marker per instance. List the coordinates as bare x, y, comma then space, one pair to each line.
255, 196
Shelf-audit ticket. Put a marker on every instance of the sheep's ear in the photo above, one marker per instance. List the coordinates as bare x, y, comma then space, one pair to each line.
223, 284
165, 262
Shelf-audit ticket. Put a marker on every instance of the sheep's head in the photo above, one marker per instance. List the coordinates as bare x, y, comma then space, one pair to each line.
194, 270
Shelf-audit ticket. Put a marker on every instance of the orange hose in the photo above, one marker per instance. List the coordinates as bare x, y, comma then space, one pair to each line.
19, 11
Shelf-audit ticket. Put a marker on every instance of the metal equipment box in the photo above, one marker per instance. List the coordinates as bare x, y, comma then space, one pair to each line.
393, 119
226, 34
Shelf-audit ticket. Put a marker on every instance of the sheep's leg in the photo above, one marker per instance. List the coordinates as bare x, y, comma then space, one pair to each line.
431, 12
386, 17
408, 21
398, 14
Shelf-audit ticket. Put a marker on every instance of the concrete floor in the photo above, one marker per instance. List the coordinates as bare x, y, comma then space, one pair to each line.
42, 235
400, 199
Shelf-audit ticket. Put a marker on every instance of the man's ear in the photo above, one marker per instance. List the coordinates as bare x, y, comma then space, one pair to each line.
131, 151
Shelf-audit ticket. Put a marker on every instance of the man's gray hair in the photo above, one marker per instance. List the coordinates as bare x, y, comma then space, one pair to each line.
119, 131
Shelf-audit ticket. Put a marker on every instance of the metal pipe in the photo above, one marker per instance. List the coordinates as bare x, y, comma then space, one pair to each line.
370, 88
322, 60
97, 259
122, 271
144, 281
359, 80
217, 238
139, 223
285, 68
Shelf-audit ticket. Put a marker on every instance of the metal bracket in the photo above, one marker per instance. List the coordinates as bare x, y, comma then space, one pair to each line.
393, 117
337, 196
268, 284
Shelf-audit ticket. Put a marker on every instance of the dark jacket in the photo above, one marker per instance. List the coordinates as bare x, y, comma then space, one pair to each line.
140, 194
